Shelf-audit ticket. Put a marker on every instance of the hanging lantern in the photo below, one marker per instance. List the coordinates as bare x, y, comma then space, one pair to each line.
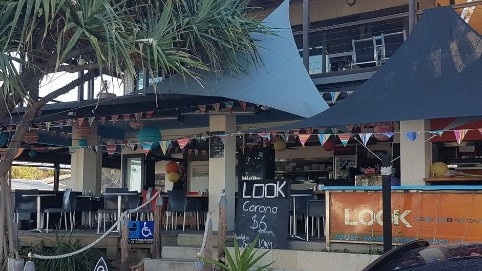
82, 143
30, 137
83, 130
110, 147
3, 139
380, 129
279, 145
173, 177
329, 145
438, 169
32, 153
149, 134
172, 166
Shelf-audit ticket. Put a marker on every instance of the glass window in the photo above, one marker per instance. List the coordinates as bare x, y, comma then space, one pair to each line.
134, 173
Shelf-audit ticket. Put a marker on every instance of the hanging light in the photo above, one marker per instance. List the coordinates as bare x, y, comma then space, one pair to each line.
30, 137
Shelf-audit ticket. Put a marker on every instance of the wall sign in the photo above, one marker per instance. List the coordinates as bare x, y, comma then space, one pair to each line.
141, 232
262, 211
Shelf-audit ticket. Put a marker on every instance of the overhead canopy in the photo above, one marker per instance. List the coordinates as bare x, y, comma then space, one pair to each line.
436, 73
280, 82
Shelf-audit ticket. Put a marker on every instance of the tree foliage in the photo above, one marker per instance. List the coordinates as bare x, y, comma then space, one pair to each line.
31, 173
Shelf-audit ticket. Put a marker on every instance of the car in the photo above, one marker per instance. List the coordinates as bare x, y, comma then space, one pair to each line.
419, 255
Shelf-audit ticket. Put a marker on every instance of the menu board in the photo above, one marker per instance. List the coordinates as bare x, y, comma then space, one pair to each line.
216, 147
263, 212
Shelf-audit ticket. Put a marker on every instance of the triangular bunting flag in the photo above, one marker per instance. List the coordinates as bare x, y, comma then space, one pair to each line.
217, 106
91, 120
47, 125
80, 121
182, 142
202, 108
266, 136
460, 134
229, 105
334, 96
165, 144
480, 130
243, 105
437, 132
411, 135
102, 119
324, 139
149, 114
114, 118
283, 137
365, 137
146, 146
137, 116
388, 134
223, 138
126, 116
344, 138
303, 138
69, 122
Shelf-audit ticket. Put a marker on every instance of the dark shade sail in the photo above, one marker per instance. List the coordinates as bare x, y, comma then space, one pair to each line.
436, 73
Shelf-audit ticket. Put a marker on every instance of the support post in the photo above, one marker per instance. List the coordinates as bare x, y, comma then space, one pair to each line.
387, 202
306, 40
412, 13
157, 242
222, 227
124, 245
208, 245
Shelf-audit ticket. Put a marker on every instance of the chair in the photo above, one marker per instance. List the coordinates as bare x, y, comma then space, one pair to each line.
179, 203
24, 205
69, 202
299, 202
109, 206
315, 209
147, 210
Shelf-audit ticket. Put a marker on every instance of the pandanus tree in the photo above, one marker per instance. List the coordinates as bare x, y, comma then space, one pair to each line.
116, 38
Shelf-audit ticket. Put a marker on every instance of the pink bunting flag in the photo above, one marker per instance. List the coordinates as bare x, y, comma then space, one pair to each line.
480, 130
243, 105
126, 116
223, 138
182, 142
202, 108
365, 137
411, 135
303, 138
344, 138
114, 118
460, 134
149, 114
266, 136
80, 121
102, 119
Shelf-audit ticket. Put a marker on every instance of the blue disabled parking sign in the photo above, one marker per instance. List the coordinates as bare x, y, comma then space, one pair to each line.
141, 232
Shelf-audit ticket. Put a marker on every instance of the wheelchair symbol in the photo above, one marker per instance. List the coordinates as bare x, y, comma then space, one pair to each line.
146, 232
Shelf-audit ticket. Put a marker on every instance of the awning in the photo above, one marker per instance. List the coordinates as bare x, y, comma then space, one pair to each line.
436, 73
281, 82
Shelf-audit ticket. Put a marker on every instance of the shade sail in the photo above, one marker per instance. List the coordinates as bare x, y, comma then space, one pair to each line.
436, 73
280, 82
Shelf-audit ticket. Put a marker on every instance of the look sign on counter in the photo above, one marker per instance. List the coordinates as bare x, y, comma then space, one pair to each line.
263, 213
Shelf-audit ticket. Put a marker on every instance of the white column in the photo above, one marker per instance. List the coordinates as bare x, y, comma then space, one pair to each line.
222, 170
86, 164
415, 156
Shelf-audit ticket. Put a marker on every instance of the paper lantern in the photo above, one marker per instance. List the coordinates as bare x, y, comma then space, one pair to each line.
279, 145
329, 145
83, 130
30, 137
439, 169
380, 129
148, 134
172, 166
110, 147
173, 177
82, 143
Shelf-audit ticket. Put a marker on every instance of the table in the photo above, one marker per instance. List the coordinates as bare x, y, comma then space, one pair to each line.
39, 212
90, 199
119, 204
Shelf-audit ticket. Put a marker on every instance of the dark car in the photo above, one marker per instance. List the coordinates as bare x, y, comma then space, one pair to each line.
420, 255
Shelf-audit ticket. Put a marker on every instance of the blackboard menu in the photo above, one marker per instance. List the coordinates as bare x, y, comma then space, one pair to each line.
263, 212
216, 147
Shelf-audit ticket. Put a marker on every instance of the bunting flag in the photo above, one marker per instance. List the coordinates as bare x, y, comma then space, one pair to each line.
196, 152
126, 116
102, 119
114, 118
243, 105
229, 105
182, 142
480, 130
149, 114
80, 121
266, 136
388, 134
202, 108
217, 106
59, 122
411, 135
47, 125
344, 138
137, 116
146, 146
460, 134
284, 137
223, 138
303, 138
91, 120
365, 137
323, 138
165, 144
334, 96
69, 122
436, 132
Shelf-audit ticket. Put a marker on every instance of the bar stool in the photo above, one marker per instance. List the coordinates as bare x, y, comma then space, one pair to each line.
315, 209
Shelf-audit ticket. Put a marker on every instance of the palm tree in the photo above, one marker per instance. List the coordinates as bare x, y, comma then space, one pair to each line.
116, 38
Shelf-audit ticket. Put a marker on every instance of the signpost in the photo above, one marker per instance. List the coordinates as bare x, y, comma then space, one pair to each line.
263, 212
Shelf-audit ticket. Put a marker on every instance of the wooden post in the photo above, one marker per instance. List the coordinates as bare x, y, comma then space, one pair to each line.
157, 242
209, 245
222, 227
124, 245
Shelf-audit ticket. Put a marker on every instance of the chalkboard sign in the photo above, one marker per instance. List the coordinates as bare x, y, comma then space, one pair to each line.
263, 212
216, 147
